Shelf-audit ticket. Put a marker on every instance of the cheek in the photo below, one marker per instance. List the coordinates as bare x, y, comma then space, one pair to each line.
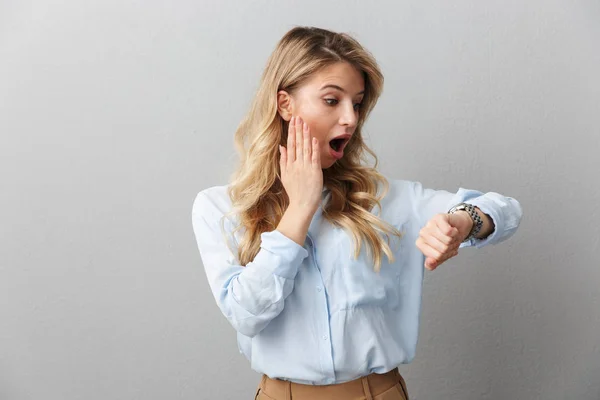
316, 127
320, 132
320, 118
320, 126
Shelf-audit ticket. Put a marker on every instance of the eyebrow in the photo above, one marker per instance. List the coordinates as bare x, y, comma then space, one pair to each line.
339, 88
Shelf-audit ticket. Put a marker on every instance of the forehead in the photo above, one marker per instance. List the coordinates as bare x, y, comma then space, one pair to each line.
341, 74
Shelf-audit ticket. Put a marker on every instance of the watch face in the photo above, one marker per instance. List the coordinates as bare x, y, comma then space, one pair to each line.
458, 207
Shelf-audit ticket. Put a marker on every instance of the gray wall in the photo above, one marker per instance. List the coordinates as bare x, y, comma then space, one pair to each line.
114, 114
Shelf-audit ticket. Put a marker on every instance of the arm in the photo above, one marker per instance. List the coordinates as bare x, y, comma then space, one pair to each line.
488, 225
444, 233
502, 213
251, 296
486, 229
294, 224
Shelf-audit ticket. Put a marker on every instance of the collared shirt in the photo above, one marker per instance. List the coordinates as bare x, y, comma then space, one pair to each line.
313, 314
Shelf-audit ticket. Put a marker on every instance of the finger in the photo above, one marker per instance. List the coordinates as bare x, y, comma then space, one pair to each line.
282, 160
432, 263
438, 241
307, 146
441, 236
446, 256
291, 146
432, 230
316, 153
442, 223
442, 230
450, 241
430, 252
427, 250
299, 147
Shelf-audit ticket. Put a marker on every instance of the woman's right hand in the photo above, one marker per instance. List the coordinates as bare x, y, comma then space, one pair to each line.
301, 173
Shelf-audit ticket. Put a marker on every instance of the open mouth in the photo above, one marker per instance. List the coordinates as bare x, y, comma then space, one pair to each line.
337, 144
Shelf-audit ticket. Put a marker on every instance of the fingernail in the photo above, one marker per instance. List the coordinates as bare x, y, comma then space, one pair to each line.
292, 120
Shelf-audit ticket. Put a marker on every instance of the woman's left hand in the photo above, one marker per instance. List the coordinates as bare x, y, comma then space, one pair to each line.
441, 236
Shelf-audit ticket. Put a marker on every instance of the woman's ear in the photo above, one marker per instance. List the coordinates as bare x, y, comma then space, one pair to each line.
285, 105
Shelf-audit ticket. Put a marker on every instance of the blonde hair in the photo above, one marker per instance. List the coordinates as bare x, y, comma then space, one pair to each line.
258, 197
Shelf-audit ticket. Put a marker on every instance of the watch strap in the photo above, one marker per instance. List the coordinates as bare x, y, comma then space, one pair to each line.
471, 210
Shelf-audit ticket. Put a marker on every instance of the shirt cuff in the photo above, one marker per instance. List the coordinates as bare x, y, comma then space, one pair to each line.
281, 254
488, 207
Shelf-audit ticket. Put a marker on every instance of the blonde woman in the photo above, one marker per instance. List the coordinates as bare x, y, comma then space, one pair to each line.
314, 257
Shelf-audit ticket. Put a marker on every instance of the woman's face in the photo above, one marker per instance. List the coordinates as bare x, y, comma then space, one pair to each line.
329, 103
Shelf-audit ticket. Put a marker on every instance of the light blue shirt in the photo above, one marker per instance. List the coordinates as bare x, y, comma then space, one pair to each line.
312, 314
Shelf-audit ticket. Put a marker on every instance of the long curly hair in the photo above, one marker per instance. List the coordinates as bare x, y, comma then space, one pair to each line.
257, 194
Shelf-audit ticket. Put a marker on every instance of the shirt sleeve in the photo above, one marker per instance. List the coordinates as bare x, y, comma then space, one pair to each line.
251, 296
506, 212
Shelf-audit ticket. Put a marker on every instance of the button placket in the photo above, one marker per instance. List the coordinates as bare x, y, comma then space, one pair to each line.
326, 355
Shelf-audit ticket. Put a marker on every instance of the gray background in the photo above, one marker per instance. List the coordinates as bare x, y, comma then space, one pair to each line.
114, 114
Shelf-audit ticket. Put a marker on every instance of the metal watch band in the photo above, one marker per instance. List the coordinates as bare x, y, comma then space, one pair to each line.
477, 221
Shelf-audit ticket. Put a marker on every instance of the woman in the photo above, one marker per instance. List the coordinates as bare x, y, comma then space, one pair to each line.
314, 257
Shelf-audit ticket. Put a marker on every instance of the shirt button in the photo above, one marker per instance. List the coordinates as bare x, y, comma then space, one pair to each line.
324, 337
318, 288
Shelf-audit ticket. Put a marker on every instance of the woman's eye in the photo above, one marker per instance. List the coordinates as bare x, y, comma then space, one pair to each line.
333, 102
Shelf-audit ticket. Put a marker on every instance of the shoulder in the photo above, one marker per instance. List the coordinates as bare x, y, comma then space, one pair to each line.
212, 203
400, 201
402, 190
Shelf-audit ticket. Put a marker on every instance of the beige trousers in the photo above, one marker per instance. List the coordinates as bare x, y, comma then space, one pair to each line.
388, 386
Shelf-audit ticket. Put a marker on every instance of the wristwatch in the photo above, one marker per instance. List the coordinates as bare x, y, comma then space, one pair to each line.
477, 221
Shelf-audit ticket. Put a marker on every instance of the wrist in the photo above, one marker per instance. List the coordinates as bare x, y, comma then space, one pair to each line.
294, 223
467, 217
469, 223
472, 215
300, 213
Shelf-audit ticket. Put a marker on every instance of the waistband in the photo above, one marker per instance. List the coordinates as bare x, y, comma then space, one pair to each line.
368, 386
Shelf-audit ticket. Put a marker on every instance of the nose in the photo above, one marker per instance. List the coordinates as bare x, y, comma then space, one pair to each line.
349, 116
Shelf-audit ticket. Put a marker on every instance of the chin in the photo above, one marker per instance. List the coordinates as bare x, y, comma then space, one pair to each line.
327, 163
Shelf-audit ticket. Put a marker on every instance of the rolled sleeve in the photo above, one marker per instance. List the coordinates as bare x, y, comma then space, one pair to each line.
250, 295
506, 213
281, 254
